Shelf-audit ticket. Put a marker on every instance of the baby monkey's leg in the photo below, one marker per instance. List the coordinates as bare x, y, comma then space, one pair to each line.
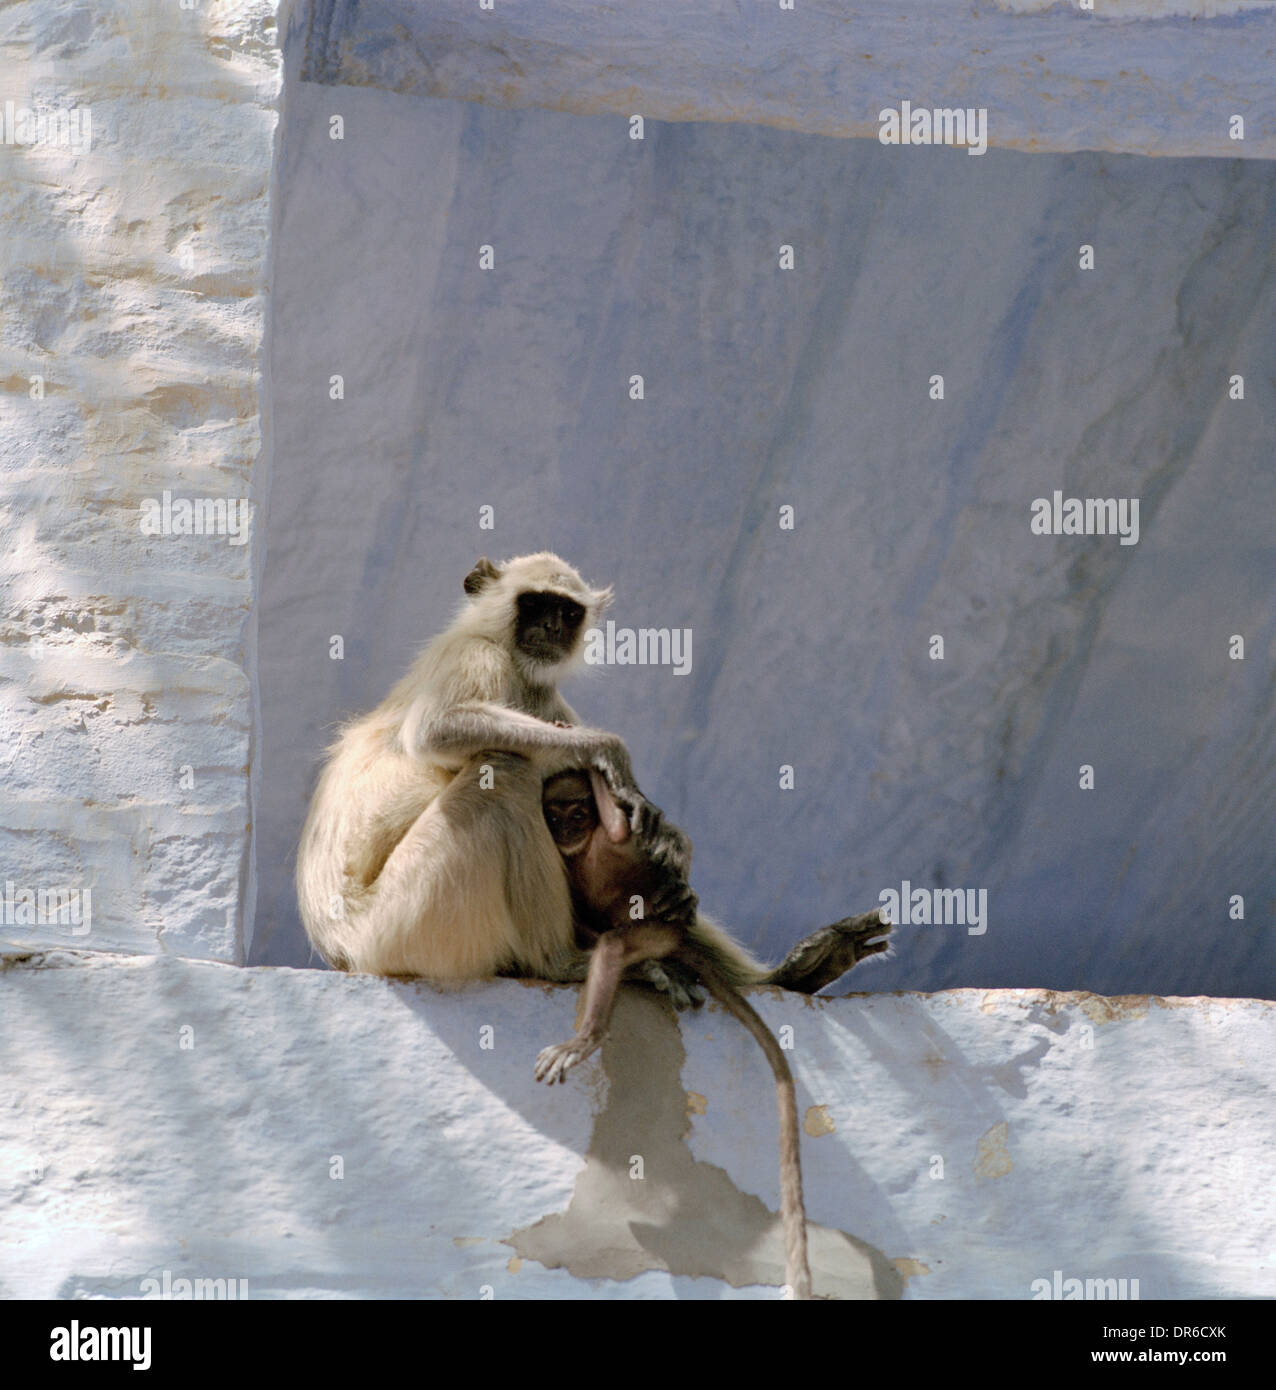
615, 952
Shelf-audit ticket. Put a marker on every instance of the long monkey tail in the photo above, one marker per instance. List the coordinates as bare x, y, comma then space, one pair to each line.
792, 1211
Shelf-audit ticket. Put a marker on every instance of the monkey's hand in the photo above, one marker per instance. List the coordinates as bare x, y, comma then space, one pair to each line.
555, 1062
611, 759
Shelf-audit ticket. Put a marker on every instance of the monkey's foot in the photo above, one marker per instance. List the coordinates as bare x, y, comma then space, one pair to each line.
675, 980
829, 953
555, 1062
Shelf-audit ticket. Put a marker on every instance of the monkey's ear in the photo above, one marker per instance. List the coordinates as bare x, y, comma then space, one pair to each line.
483, 574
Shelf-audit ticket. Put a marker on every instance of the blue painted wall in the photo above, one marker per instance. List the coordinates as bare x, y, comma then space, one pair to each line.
810, 388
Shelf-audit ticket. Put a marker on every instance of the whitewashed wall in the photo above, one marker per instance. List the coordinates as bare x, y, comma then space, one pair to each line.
323, 1135
133, 309
307, 1133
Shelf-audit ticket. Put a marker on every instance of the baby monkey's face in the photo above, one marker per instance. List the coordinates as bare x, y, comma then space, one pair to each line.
570, 812
644, 858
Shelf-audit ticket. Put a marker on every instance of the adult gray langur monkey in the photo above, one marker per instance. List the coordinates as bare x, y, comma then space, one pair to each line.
425, 851
628, 868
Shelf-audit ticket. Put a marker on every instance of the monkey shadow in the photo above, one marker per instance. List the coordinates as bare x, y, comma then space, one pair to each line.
643, 1201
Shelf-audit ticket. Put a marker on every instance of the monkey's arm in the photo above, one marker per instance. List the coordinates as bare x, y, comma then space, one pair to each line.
466, 730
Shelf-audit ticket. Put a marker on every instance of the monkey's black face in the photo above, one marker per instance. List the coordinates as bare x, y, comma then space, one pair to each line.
547, 626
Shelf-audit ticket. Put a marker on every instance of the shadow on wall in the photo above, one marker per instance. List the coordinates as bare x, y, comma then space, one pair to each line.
686, 1216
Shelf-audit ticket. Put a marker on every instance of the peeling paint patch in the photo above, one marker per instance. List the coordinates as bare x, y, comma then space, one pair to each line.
545, 986
696, 1103
991, 1158
909, 1268
1099, 1009
818, 1121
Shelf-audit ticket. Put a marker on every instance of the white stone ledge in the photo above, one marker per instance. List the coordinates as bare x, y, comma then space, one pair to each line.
1102, 1138
1156, 77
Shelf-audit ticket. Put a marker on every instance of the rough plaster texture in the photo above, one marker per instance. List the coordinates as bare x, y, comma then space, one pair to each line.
1145, 76
764, 387
135, 290
166, 1115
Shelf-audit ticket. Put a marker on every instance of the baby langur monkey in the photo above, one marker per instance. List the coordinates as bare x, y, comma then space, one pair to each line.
620, 856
